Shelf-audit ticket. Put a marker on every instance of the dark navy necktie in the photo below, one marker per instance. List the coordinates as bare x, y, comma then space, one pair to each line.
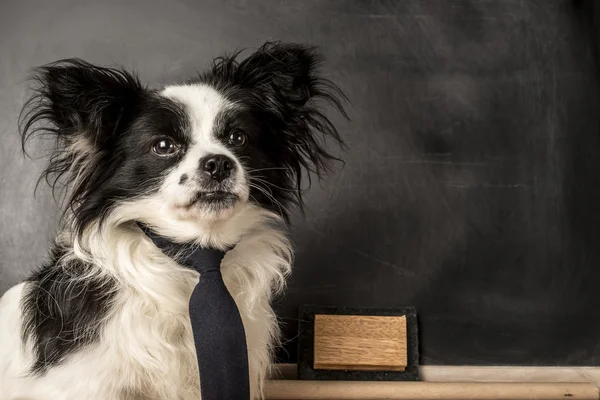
216, 323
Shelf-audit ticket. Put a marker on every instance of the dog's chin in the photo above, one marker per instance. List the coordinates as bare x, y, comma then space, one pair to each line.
211, 206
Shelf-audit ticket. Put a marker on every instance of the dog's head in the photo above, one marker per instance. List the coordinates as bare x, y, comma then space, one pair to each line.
238, 136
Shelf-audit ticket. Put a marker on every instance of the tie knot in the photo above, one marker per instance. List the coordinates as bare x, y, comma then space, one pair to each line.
202, 259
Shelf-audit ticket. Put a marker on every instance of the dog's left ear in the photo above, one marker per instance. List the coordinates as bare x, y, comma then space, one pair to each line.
287, 75
283, 72
284, 80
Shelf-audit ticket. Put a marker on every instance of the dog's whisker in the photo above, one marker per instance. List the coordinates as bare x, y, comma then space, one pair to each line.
270, 196
267, 183
269, 169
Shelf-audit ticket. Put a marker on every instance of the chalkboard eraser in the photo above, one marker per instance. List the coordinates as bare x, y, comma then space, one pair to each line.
340, 343
360, 342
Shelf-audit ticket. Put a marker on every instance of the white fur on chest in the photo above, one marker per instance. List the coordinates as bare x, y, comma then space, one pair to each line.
146, 350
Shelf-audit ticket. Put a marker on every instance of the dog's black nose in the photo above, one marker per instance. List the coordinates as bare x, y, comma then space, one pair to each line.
218, 166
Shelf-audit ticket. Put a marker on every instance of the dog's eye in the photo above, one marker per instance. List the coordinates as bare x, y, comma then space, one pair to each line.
164, 147
237, 138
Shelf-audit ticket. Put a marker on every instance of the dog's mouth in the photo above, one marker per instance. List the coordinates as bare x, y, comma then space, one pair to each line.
218, 198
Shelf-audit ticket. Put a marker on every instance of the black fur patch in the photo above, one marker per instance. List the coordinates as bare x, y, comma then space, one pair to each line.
63, 308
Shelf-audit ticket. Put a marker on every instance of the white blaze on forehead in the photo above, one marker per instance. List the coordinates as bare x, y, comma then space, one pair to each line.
202, 104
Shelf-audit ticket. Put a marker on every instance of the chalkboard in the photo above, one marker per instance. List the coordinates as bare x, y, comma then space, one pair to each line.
471, 185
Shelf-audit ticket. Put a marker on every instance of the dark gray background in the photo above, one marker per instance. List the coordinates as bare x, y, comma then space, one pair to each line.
471, 185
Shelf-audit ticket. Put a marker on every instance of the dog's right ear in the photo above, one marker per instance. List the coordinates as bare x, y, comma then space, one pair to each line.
82, 105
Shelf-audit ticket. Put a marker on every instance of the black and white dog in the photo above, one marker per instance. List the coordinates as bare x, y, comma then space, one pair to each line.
216, 161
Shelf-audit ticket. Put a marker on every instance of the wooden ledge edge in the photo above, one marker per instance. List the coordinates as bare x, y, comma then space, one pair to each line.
441, 373
330, 390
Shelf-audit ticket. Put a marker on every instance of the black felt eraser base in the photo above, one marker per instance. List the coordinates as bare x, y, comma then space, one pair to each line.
306, 345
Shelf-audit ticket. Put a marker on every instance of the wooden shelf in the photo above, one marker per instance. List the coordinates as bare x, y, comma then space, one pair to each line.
449, 383
325, 390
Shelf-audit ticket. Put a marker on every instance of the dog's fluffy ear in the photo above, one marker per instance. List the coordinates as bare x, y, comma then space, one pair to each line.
286, 75
80, 106
283, 72
75, 100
